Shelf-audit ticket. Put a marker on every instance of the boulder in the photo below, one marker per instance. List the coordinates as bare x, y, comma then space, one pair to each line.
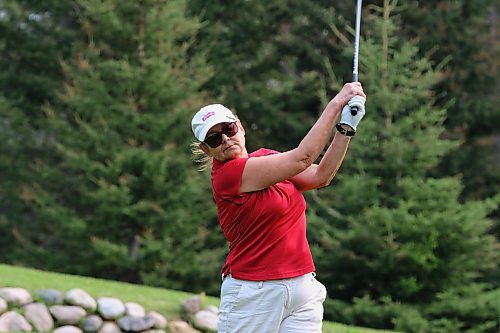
81, 298
179, 326
13, 322
206, 320
110, 327
192, 304
135, 324
50, 296
67, 314
160, 320
110, 308
92, 323
68, 329
134, 310
39, 316
16, 296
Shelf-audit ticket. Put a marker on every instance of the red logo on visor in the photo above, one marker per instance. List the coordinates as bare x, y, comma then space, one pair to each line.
208, 115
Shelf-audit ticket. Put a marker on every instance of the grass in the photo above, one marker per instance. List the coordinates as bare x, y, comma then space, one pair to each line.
164, 301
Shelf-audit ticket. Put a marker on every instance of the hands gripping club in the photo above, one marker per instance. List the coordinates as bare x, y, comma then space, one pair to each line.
349, 122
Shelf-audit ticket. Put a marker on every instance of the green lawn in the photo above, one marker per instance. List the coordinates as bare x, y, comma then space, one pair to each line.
164, 301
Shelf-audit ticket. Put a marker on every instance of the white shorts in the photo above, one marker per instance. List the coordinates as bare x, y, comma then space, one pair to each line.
277, 306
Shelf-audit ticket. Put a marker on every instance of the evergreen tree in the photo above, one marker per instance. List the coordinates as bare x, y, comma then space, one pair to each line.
397, 239
465, 35
122, 199
34, 36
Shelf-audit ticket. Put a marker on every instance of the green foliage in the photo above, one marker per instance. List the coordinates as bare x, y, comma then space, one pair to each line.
464, 35
33, 41
398, 237
119, 191
363, 309
31, 46
470, 308
475, 307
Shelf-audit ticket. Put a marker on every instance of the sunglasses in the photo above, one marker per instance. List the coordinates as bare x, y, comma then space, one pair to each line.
214, 140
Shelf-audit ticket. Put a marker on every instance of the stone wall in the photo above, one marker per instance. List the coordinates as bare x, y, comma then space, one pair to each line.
51, 310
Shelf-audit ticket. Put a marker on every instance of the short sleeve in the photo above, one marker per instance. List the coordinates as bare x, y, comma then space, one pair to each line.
227, 180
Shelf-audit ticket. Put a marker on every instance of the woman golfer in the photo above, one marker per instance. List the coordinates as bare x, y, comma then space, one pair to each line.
269, 283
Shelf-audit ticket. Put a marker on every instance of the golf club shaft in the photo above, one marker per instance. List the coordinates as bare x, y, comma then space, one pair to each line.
354, 110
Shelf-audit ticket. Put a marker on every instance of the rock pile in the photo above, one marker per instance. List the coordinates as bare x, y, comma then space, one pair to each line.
49, 310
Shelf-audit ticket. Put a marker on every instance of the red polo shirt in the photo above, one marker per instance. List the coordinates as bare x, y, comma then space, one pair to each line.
266, 229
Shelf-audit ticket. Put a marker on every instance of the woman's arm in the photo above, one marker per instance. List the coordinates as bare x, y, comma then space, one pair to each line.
320, 175
264, 171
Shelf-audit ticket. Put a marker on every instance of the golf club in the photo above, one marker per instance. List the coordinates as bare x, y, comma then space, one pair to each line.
354, 109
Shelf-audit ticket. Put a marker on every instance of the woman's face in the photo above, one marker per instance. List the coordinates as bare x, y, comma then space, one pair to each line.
231, 147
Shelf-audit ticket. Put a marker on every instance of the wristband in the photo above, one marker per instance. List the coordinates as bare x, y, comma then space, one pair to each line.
345, 131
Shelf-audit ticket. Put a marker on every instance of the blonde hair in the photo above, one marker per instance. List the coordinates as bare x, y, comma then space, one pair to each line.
202, 159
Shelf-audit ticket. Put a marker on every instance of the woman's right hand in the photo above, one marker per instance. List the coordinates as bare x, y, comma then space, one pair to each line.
348, 91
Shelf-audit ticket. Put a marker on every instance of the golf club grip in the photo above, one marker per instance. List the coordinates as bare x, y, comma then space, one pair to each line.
354, 109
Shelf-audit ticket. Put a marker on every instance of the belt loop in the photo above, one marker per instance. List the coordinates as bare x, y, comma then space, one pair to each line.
313, 274
261, 284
